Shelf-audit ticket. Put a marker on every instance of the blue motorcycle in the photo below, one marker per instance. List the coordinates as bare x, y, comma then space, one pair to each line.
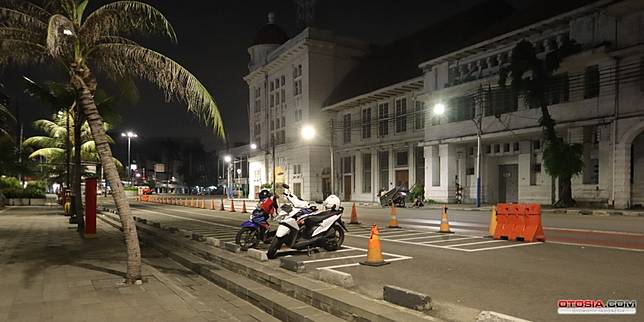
254, 230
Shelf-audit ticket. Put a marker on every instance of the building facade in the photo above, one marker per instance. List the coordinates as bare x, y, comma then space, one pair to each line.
596, 98
288, 81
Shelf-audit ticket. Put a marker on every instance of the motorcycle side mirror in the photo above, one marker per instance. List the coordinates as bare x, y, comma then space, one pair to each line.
285, 186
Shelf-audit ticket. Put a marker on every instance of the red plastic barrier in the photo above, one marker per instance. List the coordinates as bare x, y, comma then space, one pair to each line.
519, 222
502, 221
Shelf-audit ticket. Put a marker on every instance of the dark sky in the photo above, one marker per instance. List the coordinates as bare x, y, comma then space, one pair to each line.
213, 39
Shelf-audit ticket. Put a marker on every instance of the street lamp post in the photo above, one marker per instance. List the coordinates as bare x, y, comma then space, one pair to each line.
439, 109
129, 135
228, 159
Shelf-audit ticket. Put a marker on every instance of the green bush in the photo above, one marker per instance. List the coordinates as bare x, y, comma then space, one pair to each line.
9, 182
32, 191
418, 190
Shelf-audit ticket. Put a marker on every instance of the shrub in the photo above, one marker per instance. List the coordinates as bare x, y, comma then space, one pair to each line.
9, 182
418, 190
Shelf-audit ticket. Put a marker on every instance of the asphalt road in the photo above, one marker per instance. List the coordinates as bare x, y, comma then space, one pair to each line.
465, 270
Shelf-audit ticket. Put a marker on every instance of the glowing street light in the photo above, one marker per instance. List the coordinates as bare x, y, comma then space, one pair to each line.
308, 132
253, 146
439, 109
129, 135
228, 158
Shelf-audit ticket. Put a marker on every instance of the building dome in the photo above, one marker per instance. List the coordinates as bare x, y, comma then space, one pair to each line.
270, 33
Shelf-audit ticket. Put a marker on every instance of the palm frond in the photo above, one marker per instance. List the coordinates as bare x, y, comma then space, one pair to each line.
5, 114
125, 18
26, 7
175, 81
42, 142
20, 52
58, 43
48, 153
59, 96
21, 34
65, 7
51, 128
17, 19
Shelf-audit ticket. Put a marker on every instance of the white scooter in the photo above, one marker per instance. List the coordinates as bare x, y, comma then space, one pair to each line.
304, 229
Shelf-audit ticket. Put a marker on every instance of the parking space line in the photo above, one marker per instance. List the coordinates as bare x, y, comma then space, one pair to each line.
500, 247
447, 240
433, 236
408, 234
476, 243
332, 259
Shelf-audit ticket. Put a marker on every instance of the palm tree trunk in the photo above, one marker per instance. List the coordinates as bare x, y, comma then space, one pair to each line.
86, 102
76, 187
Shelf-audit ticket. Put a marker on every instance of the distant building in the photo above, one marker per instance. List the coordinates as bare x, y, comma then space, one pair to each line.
288, 81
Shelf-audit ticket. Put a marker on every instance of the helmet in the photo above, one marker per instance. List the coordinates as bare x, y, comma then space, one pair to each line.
331, 202
264, 194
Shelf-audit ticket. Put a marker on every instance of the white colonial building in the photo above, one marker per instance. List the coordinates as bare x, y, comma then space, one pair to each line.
596, 99
288, 81
377, 103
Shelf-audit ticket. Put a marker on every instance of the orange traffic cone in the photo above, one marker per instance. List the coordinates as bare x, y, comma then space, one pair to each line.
221, 207
203, 203
393, 222
354, 215
212, 204
444, 228
232, 205
374, 253
244, 207
492, 228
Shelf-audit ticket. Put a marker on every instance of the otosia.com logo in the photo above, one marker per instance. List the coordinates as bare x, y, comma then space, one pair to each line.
617, 307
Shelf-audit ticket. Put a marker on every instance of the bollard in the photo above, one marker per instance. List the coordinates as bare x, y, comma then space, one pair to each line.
90, 208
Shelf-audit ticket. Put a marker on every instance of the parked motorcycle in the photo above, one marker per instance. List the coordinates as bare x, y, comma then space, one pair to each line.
306, 229
257, 229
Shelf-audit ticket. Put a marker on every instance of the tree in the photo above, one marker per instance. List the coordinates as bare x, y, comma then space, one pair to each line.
61, 32
531, 76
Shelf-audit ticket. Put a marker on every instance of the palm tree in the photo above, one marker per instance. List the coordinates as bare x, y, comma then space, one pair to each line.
531, 76
80, 43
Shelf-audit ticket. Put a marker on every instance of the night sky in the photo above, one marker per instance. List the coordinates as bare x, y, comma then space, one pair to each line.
213, 39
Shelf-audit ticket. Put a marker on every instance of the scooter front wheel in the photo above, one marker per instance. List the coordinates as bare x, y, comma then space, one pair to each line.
247, 238
276, 244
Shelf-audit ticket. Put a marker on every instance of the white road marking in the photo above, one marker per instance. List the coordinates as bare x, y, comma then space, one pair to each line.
476, 243
433, 236
411, 233
499, 247
608, 232
331, 259
447, 240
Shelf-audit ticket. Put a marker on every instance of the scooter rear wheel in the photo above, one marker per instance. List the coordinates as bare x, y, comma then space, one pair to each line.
247, 238
336, 241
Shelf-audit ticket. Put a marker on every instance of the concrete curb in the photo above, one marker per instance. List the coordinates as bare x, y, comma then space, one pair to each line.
491, 316
257, 254
335, 277
407, 298
232, 247
292, 265
213, 242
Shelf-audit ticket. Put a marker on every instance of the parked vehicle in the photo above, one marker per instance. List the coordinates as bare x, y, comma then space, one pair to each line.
395, 196
304, 228
256, 228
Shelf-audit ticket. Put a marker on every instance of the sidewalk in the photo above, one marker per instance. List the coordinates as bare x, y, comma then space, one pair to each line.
49, 273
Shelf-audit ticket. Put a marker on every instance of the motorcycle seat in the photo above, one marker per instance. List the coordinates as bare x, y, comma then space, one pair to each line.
316, 219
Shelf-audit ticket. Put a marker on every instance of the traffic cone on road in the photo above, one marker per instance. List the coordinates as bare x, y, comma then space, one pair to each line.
444, 228
221, 207
244, 207
212, 204
232, 205
354, 215
374, 253
203, 203
492, 228
393, 222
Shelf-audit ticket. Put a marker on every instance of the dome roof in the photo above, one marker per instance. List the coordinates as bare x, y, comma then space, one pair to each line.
270, 33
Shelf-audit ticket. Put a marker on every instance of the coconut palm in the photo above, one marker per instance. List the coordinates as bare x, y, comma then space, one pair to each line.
531, 76
60, 31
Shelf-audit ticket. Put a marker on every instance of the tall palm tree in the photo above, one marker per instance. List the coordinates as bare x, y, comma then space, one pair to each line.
532, 76
81, 43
